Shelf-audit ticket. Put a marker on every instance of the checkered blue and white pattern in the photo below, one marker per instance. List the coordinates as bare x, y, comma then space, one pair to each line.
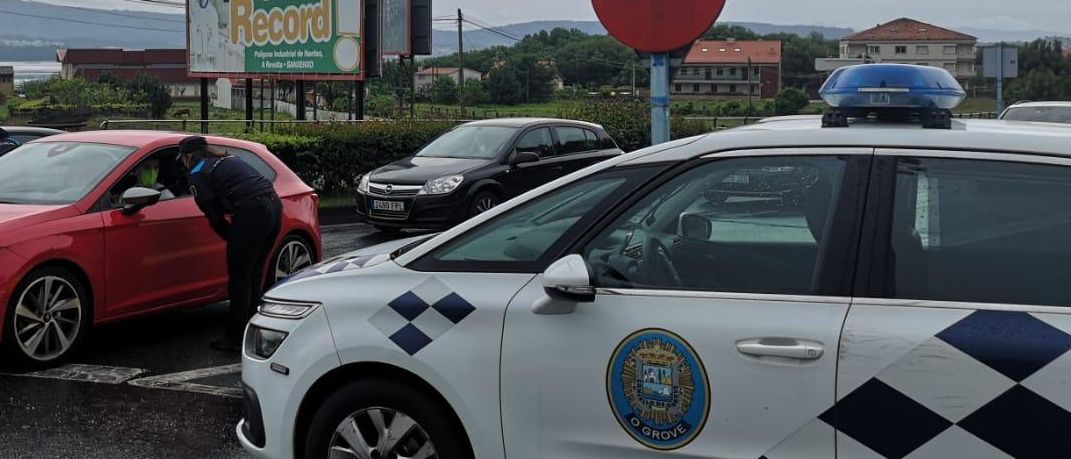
422, 315
994, 384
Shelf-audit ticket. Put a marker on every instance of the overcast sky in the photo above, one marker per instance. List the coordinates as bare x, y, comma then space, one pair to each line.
1043, 15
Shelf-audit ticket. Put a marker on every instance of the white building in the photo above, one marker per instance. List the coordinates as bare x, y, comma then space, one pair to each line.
907, 41
425, 78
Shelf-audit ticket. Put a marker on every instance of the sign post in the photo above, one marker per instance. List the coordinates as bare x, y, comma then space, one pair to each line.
659, 98
1000, 62
652, 26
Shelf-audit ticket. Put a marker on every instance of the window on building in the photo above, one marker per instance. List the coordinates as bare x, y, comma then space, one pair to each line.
950, 66
901, 49
732, 89
695, 88
757, 71
732, 71
950, 50
873, 50
695, 70
922, 50
721, 72
676, 88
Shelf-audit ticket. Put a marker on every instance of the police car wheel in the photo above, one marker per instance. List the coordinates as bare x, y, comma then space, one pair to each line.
47, 318
383, 419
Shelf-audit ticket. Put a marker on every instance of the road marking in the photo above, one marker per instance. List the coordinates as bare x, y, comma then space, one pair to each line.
85, 373
180, 381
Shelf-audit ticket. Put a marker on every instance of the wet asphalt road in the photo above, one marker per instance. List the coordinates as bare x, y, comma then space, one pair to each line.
52, 418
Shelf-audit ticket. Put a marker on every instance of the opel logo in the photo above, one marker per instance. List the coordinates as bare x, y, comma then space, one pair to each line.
389, 189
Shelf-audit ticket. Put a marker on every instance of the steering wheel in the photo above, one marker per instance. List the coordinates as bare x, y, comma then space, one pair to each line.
657, 266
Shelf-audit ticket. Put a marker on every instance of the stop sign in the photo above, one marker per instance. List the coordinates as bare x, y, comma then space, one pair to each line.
657, 26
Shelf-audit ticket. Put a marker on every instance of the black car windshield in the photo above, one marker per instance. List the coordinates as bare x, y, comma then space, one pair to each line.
1041, 114
475, 142
56, 172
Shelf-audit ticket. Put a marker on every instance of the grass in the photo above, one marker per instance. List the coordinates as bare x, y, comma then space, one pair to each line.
977, 105
336, 201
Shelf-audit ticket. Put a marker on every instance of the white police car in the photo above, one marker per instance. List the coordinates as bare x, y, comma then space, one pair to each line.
779, 290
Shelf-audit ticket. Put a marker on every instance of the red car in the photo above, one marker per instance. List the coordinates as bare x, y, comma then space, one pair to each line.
97, 227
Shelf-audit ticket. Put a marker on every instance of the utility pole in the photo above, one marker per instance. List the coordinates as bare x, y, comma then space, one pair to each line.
749, 91
460, 64
634, 95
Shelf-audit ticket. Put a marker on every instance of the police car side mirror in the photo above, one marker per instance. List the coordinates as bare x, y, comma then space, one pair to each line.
567, 282
138, 198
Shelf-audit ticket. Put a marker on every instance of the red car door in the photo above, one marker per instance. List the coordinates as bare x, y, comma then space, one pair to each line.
165, 255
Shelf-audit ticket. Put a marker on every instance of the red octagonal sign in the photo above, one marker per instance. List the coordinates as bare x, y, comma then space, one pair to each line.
657, 26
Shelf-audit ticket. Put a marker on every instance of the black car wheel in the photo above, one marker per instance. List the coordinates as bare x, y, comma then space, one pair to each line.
47, 317
483, 202
389, 230
383, 419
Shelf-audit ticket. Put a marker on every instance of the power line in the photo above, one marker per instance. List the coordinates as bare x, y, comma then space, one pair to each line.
494, 31
112, 13
76, 21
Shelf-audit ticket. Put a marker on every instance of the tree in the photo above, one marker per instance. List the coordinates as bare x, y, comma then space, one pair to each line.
790, 101
476, 92
504, 87
444, 90
148, 90
111, 80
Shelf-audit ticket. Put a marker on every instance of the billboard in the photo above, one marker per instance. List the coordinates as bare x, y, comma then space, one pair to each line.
397, 32
292, 39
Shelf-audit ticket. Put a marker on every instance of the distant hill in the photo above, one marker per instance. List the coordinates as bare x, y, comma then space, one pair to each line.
446, 42
32, 31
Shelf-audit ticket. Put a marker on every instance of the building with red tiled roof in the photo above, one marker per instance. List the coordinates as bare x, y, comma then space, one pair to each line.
726, 69
907, 41
167, 65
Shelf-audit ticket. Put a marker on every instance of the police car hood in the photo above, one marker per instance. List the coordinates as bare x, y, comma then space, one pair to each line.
357, 259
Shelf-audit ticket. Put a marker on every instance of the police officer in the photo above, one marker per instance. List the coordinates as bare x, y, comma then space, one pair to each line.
7, 143
225, 185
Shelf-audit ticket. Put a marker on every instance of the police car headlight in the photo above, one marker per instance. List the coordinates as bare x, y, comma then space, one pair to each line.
263, 342
286, 309
363, 187
442, 185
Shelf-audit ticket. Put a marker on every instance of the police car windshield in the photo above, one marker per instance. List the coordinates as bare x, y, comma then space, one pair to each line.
469, 142
56, 172
1040, 114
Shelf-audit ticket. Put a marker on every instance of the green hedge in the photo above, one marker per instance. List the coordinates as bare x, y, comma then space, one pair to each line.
332, 157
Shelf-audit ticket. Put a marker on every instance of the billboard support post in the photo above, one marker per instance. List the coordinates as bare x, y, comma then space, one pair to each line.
299, 100
204, 105
1000, 81
360, 100
249, 104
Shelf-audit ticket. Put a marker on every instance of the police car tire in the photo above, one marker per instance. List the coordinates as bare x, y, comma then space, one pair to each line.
12, 353
449, 439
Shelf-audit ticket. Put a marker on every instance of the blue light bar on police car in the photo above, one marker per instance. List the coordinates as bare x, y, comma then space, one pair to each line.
893, 86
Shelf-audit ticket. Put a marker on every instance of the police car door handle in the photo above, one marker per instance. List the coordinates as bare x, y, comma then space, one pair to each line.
786, 348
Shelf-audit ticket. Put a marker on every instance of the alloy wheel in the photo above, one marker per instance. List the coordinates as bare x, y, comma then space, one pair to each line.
48, 317
380, 433
485, 203
293, 257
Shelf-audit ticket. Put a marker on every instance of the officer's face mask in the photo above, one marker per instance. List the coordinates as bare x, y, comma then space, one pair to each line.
148, 176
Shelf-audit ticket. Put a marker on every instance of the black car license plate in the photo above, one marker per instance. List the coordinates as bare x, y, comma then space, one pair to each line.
392, 206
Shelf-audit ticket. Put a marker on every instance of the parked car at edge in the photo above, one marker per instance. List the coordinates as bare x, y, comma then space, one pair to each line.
1045, 112
83, 241
476, 166
23, 134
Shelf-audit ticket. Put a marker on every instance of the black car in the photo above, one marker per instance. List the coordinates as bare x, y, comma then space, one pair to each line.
23, 134
474, 167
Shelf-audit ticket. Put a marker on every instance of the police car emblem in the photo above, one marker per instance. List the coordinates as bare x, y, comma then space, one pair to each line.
657, 388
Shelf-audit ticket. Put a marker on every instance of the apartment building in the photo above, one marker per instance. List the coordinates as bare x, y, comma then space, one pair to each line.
907, 41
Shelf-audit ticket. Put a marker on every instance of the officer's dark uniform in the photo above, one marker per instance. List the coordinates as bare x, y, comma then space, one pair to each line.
228, 186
